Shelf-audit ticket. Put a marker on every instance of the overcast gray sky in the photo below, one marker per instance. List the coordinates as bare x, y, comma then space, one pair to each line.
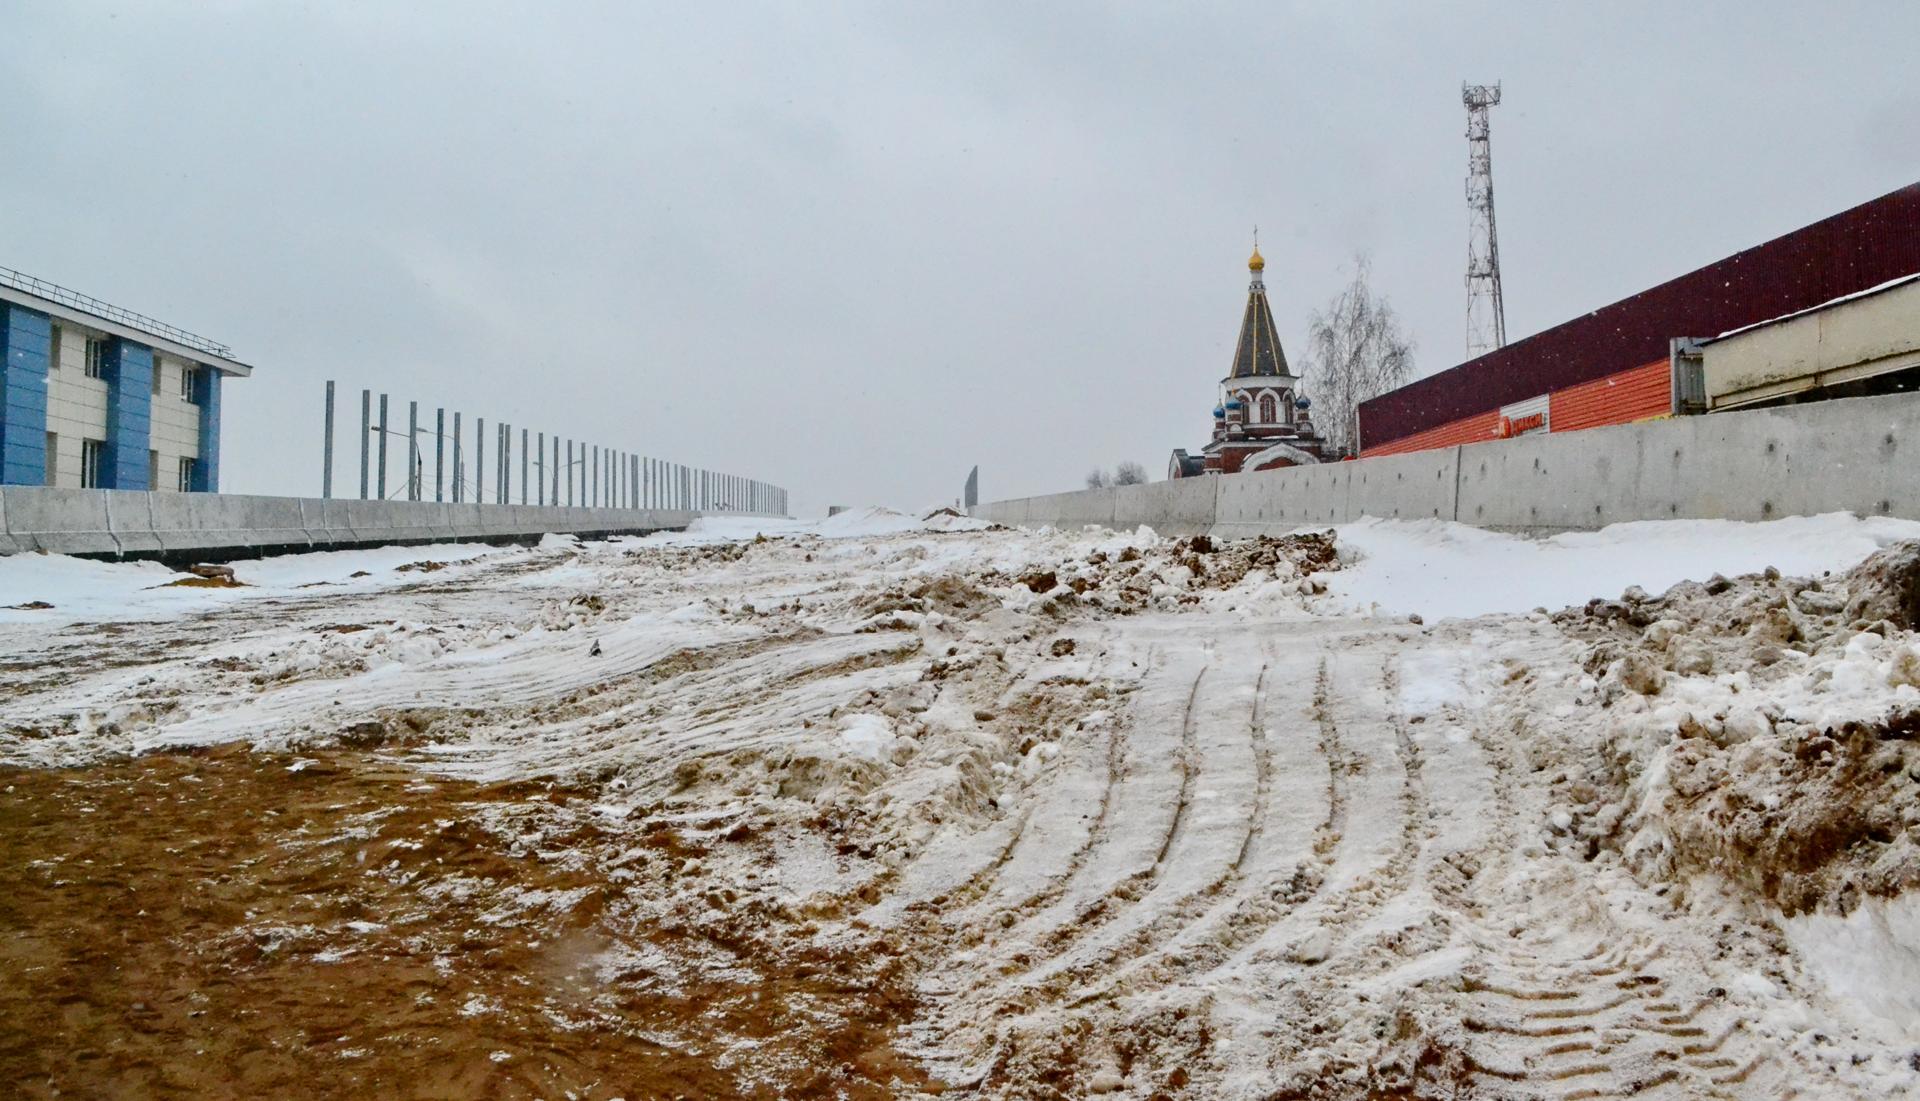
856, 249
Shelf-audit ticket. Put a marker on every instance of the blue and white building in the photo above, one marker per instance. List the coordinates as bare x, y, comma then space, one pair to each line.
94, 396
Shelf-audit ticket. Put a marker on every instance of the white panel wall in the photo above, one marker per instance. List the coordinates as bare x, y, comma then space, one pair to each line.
76, 405
175, 422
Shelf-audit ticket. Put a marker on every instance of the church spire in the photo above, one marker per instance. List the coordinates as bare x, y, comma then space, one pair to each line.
1258, 354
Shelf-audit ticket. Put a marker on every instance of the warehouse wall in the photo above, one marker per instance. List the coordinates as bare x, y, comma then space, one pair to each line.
1856, 455
1844, 254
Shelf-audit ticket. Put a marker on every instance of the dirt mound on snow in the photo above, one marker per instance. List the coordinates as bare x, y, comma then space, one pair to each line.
1887, 586
1753, 736
1177, 573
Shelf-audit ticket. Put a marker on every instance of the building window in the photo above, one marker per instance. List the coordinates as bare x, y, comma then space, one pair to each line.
92, 455
158, 370
153, 469
96, 357
186, 474
1269, 410
188, 375
53, 459
53, 348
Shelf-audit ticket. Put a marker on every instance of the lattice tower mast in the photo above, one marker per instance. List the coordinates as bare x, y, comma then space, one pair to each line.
1486, 310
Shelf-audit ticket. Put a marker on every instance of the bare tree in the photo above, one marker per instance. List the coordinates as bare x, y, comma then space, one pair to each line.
1355, 350
1098, 479
1129, 473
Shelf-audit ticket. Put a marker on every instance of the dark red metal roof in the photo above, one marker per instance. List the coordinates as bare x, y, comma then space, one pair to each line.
1851, 251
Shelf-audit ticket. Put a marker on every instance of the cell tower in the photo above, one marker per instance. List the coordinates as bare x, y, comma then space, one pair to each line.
1486, 310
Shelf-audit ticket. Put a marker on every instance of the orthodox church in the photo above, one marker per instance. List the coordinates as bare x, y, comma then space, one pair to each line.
1260, 420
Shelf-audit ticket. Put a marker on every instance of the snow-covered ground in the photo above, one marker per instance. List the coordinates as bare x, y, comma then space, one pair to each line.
1151, 817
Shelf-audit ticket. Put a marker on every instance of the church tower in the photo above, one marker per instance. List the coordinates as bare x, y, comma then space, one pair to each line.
1259, 420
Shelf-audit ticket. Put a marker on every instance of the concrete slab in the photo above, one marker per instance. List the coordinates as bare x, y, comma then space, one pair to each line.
1183, 506
130, 518
60, 521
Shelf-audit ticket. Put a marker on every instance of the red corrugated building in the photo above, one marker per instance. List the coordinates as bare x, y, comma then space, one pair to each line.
1611, 366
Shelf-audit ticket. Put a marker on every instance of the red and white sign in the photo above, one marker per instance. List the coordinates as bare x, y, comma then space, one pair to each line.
1523, 417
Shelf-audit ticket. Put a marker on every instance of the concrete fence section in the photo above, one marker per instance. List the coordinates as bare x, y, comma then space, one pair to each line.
1858, 455
211, 526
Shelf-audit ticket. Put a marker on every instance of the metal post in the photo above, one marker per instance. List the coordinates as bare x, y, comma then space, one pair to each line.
459, 467
593, 478
569, 473
479, 460
413, 451
366, 436
554, 497
540, 468
439, 454
523, 466
383, 447
326, 463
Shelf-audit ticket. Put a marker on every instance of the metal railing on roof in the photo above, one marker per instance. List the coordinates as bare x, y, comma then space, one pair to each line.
54, 292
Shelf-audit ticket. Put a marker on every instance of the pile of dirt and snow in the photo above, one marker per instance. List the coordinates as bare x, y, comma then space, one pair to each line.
1763, 732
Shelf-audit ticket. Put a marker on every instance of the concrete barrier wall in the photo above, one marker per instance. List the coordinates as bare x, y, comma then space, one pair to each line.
1859, 455
125, 523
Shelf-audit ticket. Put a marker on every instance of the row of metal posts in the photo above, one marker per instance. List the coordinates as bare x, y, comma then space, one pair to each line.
588, 476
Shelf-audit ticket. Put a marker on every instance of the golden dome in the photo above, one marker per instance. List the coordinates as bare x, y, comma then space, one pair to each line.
1256, 262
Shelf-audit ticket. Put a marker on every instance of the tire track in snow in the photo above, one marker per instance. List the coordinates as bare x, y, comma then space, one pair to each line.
929, 884
1130, 944
1040, 849
1577, 1003
1292, 860
1122, 886
1366, 861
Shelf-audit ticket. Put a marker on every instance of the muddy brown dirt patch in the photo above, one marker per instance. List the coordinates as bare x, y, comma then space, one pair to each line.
225, 923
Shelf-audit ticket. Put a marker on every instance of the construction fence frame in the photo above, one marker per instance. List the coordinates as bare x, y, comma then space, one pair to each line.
606, 477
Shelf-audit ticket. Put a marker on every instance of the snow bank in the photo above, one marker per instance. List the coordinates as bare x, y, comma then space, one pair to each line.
1869, 958
83, 589
1442, 569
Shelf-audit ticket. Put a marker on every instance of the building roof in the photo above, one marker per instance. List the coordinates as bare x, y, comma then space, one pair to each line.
1258, 352
1846, 253
57, 301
